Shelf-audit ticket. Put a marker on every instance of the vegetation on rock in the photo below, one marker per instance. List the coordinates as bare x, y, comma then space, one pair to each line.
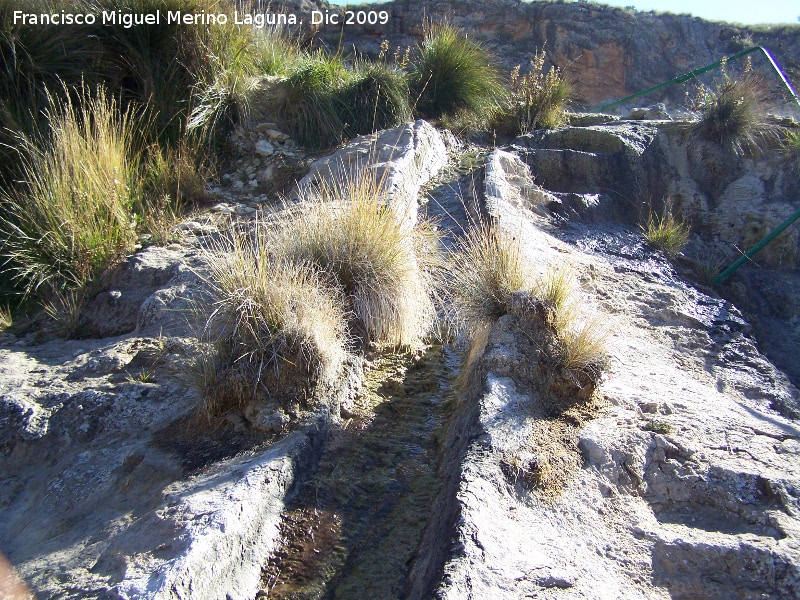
487, 268
381, 263
274, 324
733, 114
536, 100
666, 232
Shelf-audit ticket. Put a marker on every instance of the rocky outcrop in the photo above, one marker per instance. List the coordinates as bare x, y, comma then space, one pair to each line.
113, 485
684, 479
399, 161
678, 478
625, 169
608, 52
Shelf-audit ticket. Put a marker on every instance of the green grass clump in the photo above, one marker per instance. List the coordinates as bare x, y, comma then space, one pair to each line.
790, 148
276, 326
377, 98
273, 52
733, 114
454, 75
328, 101
175, 75
154, 66
70, 217
312, 108
233, 59
667, 232
538, 99
347, 230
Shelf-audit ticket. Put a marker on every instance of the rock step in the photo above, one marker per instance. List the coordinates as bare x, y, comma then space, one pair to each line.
693, 563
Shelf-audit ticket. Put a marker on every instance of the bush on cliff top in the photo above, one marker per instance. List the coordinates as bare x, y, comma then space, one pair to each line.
733, 114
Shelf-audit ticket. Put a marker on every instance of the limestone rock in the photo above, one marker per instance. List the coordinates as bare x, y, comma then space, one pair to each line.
609, 52
264, 148
402, 160
115, 312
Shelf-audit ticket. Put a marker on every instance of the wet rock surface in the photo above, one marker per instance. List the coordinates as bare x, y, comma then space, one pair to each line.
353, 530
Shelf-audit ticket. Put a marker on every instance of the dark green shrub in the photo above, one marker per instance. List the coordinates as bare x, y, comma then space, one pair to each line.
36, 62
454, 75
312, 109
376, 99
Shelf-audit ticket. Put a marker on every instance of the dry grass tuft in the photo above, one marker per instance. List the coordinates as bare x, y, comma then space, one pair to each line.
6, 319
485, 268
172, 179
277, 325
346, 229
581, 333
64, 310
71, 217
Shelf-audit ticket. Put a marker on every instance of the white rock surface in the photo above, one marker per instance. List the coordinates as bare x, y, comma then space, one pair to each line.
710, 509
402, 159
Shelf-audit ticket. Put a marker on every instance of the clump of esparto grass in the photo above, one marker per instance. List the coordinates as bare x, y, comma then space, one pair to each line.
234, 57
733, 114
277, 325
536, 100
274, 52
485, 268
581, 333
154, 66
36, 62
454, 75
63, 308
312, 108
6, 318
71, 216
377, 98
488, 278
191, 75
790, 148
346, 228
666, 232
172, 178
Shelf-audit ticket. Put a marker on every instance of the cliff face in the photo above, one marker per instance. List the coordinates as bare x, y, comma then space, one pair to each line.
608, 52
